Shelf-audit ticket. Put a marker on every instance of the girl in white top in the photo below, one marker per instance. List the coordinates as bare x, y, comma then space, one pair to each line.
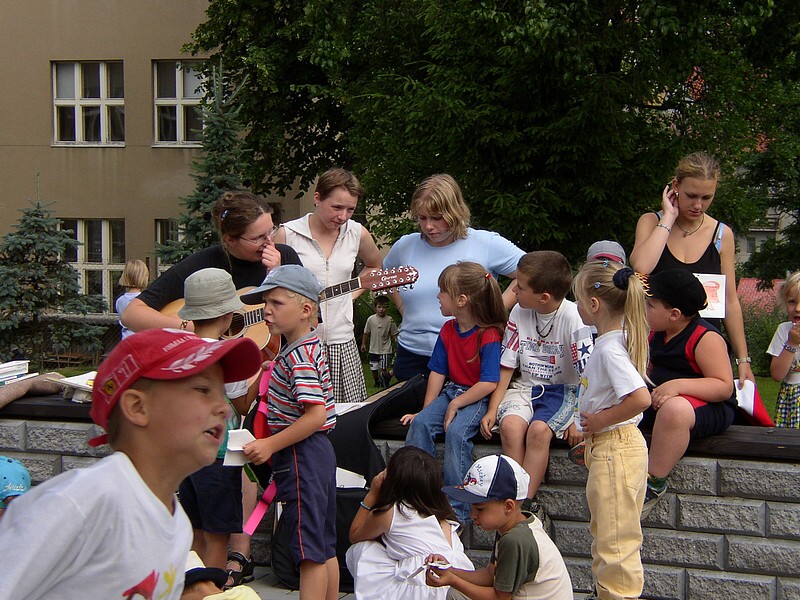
328, 242
404, 518
610, 404
785, 366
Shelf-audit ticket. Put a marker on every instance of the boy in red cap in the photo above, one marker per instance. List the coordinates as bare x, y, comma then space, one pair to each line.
116, 529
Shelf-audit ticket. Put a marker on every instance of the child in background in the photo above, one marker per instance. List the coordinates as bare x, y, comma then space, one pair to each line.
611, 402
14, 481
134, 279
525, 562
548, 342
783, 349
207, 583
115, 529
692, 395
379, 332
212, 497
404, 518
467, 356
301, 413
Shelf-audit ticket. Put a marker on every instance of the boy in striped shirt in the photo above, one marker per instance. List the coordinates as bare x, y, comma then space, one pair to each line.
300, 415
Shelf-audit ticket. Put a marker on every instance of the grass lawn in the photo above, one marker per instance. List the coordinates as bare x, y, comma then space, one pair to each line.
768, 388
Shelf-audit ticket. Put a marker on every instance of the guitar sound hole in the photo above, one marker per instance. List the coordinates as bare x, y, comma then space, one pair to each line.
237, 326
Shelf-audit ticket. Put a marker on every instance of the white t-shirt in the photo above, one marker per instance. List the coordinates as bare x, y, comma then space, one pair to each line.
776, 347
97, 532
422, 319
558, 356
337, 314
609, 376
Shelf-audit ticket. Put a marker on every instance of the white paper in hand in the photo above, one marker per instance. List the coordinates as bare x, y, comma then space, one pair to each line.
237, 439
745, 397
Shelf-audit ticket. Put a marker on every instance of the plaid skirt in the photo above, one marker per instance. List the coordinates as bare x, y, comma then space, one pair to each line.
787, 407
347, 376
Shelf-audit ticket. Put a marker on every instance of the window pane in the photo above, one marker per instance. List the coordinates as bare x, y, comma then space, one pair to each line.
116, 289
94, 283
94, 241
91, 80
117, 230
71, 227
65, 80
167, 129
165, 80
192, 81
166, 230
116, 86
116, 123
193, 123
66, 123
91, 123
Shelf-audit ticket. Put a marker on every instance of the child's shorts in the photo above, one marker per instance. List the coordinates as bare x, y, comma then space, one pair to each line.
554, 404
710, 418
212, 498
379, 362
305, 474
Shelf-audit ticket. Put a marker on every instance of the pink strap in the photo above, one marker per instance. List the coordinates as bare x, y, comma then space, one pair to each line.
261, 508
263, 385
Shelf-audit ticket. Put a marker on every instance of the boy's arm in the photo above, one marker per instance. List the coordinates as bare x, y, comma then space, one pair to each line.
630, 406
260, 451
490, 418
477, 585
364, 341
715, 385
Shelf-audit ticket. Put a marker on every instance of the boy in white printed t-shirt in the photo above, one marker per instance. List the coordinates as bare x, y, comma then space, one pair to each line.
116, 529
548, 342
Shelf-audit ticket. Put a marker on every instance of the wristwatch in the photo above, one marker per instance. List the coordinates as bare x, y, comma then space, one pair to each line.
746, 359
788, 348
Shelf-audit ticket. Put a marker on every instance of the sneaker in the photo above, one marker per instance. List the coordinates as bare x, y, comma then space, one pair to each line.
576, 454
651, 498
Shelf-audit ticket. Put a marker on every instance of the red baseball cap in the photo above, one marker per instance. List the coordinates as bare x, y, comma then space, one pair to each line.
165, 354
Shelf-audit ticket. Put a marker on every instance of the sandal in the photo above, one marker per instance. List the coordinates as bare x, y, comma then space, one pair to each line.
239, 576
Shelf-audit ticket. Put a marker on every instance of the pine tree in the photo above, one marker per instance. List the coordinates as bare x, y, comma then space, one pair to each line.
218, 170
35, 282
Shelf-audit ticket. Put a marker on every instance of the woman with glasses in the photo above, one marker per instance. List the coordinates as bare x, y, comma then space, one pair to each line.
246, 251
328, 241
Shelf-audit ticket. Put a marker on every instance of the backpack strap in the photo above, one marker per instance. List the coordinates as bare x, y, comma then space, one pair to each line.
718, 233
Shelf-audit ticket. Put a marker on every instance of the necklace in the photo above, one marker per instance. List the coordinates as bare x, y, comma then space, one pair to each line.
548, 326
688, 233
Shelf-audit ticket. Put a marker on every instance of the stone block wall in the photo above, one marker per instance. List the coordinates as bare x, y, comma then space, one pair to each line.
726, 528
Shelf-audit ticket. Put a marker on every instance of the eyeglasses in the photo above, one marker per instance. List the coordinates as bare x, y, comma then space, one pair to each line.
262, 239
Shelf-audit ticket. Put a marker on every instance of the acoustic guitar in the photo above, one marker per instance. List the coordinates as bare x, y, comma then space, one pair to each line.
249, 320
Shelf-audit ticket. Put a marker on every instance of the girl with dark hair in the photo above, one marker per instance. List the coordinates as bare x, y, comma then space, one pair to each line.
403, 518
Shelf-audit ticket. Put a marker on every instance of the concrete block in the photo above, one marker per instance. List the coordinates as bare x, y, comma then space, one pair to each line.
572, 538
788, 589
693, 475
664, 514
41, 466
562, 471
765, 556
683, 548
480, 558
480, 539
12, 435
580, 572
751, 479
481, 450
783, 520
77, 462
564, 502
706, 584
725, 515
664, 582
63, 438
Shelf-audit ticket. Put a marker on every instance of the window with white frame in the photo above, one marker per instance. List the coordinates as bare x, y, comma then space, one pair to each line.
166, 231
177, 86
100, 257
89, 103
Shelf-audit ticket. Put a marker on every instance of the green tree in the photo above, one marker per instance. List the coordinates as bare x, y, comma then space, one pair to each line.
218, 170
562, 121
36, 281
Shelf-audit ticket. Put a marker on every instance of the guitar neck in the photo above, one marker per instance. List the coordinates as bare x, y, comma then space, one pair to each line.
339, 289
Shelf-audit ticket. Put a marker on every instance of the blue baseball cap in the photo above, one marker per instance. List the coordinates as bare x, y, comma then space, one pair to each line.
14, 479
289, 277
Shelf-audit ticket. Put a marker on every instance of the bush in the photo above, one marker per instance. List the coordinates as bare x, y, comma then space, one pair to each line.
759, 327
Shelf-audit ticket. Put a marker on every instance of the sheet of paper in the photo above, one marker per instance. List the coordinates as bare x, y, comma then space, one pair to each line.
348, 479
346, 407
239, 438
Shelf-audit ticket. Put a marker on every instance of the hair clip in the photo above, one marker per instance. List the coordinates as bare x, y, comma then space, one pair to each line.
645, 281
223, 215
606, 263
597, 285
488, 275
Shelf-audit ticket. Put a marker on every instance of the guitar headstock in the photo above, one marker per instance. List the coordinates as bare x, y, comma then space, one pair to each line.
384, 279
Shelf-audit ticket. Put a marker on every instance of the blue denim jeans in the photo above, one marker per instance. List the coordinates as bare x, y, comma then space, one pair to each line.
457, 440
